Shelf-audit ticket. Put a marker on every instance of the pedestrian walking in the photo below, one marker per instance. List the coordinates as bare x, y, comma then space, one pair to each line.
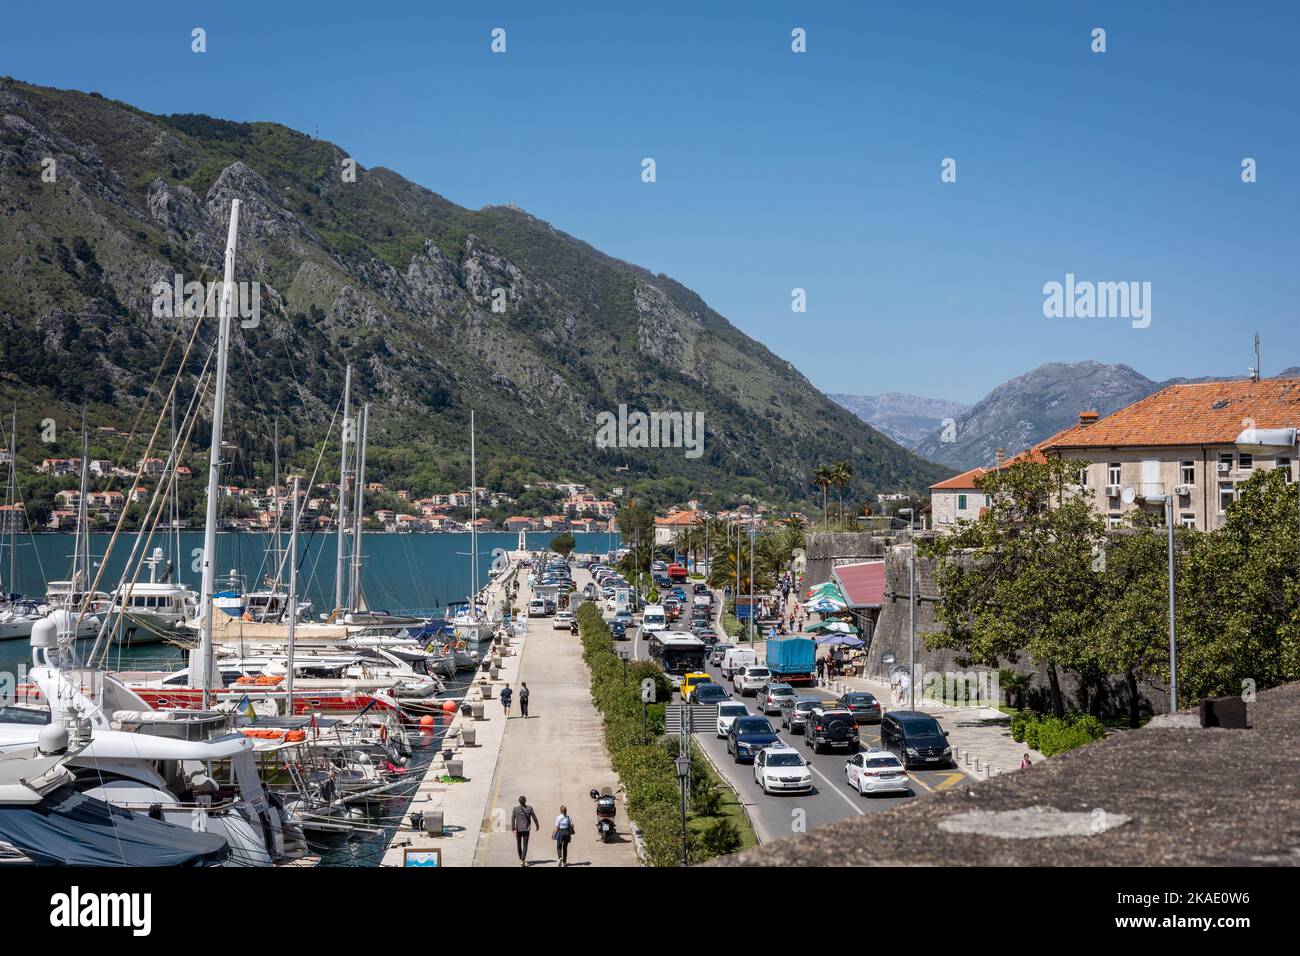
523, 700
506, 694
1024, 761
564, 831
521, 818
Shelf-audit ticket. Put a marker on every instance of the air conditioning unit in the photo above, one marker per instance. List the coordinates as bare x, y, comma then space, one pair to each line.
1112, 491
1225, 467
1183, 489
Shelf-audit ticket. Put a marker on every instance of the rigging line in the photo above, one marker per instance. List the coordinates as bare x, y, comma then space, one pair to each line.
157, 425
193, 417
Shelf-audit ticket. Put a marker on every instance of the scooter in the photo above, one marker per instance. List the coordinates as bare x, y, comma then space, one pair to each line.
604, 815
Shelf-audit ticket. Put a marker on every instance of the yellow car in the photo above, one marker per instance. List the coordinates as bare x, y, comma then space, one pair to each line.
692, 681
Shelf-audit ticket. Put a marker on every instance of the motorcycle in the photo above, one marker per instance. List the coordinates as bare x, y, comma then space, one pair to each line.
604, 815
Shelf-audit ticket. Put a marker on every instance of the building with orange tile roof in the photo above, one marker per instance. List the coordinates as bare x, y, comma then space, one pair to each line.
1180, 440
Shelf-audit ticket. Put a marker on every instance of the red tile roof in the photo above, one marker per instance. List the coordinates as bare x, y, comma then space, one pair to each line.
863, 585
1204, 413
970, 479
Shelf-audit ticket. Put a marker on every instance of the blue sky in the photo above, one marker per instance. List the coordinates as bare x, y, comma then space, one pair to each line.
819, 170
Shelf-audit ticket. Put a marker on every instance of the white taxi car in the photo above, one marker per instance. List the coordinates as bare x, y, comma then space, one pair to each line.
782, 769
727, 713
876, 771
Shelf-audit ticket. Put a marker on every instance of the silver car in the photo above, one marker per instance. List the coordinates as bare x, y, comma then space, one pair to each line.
719, 651
770, 696
794, 713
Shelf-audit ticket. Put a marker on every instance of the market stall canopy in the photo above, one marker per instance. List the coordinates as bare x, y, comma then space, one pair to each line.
841, 640
834, 627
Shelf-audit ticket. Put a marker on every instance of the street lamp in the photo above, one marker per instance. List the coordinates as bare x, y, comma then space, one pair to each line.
911, 608
1273, 440
1168, 502
683, 773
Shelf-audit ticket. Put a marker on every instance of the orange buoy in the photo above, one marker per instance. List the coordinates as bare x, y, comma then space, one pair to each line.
426, 720
449, 707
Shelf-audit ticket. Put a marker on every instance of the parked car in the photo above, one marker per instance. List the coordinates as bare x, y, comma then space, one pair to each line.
709, 694
865, 707
830, 727
537, 608
794, 716
876, 771
727, 712
753, 679
770, 697
747, 736
719, 652
916, 738
781, 769
562, 620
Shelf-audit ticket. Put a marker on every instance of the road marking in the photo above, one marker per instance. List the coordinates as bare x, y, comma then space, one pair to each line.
951, 780
842, 795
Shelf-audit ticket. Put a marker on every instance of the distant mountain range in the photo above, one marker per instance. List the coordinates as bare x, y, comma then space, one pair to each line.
1019, 413
439, 309
907, 419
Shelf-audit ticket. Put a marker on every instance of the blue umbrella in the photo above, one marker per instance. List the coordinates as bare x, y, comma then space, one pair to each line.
841, 639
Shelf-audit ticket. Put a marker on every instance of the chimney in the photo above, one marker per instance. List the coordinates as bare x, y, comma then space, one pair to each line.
1001, 457
1088, 418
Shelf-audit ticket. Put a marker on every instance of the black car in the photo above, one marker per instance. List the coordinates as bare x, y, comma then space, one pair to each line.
709, 694
617, 629
749, 735
702, 589
830, 727
864, 707
916, 738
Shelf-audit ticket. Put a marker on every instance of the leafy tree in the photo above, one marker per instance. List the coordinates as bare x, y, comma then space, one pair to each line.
1019, 579
1238, 619
563, 544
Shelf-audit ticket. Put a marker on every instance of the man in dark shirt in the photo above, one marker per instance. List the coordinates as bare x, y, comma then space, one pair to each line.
520, 819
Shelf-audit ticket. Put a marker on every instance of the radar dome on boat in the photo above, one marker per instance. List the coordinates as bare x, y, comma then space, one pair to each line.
45, 633
65, 621
53, 738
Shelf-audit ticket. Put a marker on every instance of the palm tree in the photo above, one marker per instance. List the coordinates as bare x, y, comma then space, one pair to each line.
821, 478
841, 475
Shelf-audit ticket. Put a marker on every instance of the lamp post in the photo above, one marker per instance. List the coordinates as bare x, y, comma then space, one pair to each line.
1167, 501
683, 763
911, 608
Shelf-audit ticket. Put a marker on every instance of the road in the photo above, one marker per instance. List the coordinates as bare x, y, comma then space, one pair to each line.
781, 815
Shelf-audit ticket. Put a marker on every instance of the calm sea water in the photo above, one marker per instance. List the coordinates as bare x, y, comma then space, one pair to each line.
408, 573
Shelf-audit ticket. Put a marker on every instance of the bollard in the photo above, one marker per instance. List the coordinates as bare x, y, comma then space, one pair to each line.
477, 709
467, 736
432, 822
495, 672
977, 764
455, 768
466, 708
487, 691
967, 758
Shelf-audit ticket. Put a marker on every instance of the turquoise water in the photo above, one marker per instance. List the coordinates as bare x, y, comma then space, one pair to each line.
410, 573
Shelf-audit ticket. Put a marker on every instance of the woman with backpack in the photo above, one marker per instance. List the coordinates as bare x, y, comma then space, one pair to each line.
563, 834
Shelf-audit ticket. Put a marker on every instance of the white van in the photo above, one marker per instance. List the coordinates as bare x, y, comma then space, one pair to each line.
736, 658
654, 618
537, 608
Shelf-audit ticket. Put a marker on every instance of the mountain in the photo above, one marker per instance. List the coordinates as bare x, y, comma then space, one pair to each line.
1025, 410
905, 418
440, 309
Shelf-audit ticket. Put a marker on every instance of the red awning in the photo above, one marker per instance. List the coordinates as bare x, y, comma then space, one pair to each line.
863, 585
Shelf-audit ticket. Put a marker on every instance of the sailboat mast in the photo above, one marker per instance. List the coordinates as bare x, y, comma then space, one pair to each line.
81, 560
359, 508
175, 502
201, 660
342, 517
473, 520
279, 504
293, 598
13, 500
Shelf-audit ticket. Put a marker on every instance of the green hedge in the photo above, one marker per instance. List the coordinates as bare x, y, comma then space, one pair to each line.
1054, 735
645, 769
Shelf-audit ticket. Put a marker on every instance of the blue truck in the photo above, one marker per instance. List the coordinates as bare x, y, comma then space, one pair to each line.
792, 660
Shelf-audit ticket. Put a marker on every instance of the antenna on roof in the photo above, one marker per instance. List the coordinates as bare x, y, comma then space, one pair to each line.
1254, 372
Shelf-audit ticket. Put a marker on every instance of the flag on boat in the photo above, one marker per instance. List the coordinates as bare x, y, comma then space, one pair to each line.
246, 706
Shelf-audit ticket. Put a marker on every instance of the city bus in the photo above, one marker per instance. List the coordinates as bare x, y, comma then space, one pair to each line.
677, 653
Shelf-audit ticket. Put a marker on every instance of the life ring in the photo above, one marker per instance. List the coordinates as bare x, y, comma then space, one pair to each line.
460, 645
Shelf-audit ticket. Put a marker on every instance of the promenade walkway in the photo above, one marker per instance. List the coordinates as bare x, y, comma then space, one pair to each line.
555, 757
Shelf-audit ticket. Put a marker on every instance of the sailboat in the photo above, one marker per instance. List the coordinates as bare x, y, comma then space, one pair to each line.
471, 623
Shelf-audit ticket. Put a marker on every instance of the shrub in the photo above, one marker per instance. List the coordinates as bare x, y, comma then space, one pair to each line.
1018, 723
720, 838
1031, 734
